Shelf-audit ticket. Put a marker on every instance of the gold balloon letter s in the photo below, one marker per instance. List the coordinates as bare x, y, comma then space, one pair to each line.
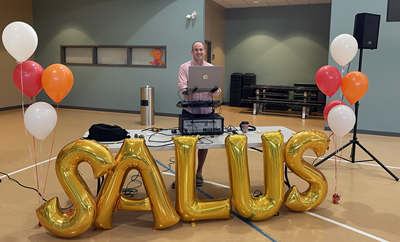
74, 224
316, 192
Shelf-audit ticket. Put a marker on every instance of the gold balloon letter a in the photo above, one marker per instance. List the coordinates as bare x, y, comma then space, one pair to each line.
316, 192
134, 154
248, 206
74, 224
189, 207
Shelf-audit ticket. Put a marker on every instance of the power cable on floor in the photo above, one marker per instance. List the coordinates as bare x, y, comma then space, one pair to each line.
31, 188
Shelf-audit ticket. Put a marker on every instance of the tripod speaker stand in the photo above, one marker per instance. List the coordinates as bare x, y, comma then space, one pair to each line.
355, 142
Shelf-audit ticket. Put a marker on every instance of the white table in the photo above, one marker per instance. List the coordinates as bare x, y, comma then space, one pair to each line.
162, 140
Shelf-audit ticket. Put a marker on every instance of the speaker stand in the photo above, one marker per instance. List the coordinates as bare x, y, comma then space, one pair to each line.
355, 142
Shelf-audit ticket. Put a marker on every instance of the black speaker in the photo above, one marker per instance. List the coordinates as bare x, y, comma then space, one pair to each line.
236, 81
366, 30
236, 88
234, 100
249, 79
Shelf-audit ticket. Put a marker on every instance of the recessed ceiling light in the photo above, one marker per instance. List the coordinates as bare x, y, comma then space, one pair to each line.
256, 1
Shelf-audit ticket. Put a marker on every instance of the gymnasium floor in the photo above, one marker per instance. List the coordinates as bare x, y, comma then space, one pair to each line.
369, 208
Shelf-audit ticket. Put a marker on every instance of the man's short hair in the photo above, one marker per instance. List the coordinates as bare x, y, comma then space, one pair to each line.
198, 42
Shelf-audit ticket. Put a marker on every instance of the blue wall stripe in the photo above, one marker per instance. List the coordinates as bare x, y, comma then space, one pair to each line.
234, 213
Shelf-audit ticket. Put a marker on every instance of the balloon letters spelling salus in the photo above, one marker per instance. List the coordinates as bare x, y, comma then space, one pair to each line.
134, 154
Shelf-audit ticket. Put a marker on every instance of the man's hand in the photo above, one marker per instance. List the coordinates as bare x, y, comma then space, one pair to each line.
216, 93
214, 89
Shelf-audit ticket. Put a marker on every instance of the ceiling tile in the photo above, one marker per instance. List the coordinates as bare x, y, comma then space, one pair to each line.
298, 2
253, 1
240, 5
277, 2
265, 3
261, 3
234, 1
319, 1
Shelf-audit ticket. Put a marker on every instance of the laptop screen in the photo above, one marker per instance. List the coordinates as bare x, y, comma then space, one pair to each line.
204, 78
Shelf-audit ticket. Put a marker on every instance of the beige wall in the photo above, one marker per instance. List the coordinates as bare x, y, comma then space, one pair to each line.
215, 17
10, 11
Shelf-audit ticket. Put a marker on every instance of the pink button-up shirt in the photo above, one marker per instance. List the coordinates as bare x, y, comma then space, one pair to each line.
197, 96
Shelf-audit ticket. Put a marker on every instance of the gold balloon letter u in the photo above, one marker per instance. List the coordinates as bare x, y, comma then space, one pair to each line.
318, 186
248, 206
74, 224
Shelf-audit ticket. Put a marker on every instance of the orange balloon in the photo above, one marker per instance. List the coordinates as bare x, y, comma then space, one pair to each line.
57, 81
354, 86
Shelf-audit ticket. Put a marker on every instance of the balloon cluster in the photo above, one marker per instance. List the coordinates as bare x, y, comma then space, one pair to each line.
337, 114
20, 40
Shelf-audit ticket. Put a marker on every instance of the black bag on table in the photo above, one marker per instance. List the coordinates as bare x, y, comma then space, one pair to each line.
106, 132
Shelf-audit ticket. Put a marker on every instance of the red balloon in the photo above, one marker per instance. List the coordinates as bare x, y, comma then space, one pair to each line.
329, 106
328, 80
32, 73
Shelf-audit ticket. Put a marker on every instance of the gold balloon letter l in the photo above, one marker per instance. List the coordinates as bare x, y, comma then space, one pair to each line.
189, 207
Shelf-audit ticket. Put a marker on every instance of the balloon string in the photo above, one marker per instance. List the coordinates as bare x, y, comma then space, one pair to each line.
340, 157
335, 142
51, 151
26, 132
37, 178
22, 100
344, 68
30, 153
48, 165
22, 94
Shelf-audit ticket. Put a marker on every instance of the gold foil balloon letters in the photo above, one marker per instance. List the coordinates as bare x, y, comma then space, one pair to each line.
318, 186
74, 224
134, 154
189, 207
248, 206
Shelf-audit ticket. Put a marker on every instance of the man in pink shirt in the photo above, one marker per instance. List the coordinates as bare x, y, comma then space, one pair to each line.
198, 60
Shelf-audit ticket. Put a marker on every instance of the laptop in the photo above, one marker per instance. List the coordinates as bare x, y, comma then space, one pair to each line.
204, 78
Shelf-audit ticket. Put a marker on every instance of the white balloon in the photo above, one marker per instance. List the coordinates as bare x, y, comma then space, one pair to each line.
343, 49
20, 40
341, 119
40, 119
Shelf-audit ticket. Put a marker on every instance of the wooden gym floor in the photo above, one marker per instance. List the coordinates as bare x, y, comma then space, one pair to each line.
369, 208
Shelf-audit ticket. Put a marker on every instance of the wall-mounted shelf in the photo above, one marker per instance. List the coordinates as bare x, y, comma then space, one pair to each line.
114, 55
